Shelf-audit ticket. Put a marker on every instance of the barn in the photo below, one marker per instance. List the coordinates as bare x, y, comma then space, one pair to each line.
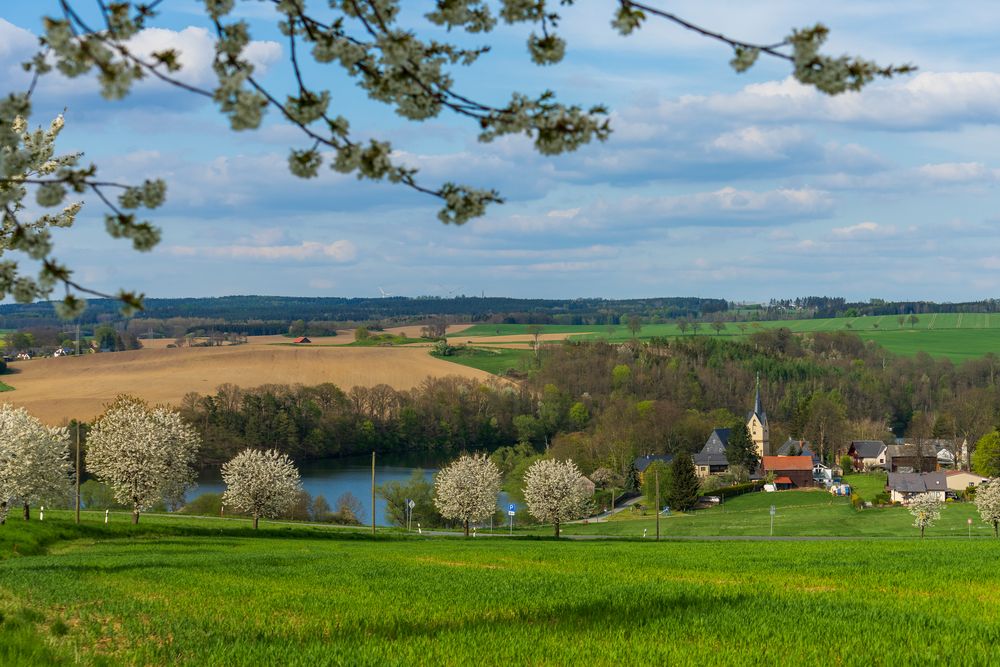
790, 471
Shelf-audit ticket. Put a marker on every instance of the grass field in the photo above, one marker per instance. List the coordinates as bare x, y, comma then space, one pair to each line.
811, 513
174, 592
56, 389
492, 360
957, 336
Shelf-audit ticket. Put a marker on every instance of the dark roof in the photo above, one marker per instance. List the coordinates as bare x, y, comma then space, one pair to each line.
718, 441
911, 482
714, 451
643, 462
868, 449
800, 446
925, 450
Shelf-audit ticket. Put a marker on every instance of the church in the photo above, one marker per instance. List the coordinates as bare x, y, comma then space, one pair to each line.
712, 457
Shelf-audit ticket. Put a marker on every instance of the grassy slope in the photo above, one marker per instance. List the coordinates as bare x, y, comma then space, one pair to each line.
496, 361
798, 513
957, 336
182, 596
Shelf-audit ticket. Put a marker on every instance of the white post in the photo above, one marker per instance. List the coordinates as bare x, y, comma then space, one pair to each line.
419, 529
41, 513
106, 514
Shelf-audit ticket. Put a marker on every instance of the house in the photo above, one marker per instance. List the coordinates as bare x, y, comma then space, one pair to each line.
911, 458
301, 339
790, 471
904, 486
712, 459
959, 480
867, 454
643, 462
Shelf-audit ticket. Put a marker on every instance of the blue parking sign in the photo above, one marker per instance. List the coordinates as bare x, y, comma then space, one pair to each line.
512, 507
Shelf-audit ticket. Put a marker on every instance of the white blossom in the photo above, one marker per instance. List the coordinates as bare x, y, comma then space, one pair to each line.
988, 503
34, 460
144, 455
554, 491
467, 489
926, 509
260, 483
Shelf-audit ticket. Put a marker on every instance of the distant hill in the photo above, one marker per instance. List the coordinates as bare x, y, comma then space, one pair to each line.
237, 309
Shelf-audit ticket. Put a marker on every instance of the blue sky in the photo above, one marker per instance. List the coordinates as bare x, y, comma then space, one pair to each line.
717, 184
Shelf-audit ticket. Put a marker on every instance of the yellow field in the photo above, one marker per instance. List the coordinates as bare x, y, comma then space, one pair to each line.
57, 389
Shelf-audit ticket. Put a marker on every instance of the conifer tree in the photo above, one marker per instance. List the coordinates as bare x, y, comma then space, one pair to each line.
740, 449
684, 484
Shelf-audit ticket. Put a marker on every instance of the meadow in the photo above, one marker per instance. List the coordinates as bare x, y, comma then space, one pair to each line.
494, 360
175, 592
957, 336
799, 513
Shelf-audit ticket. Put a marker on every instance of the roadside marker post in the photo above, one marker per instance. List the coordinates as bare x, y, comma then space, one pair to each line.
772, 520
106, 514
41, 513
969, 521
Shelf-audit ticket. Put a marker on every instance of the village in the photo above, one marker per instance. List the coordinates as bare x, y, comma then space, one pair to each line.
934, 468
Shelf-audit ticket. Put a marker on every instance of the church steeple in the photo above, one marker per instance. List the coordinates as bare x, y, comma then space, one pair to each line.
757, 425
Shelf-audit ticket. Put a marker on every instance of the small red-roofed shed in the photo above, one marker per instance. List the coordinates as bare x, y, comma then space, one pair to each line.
301, 339
790, 471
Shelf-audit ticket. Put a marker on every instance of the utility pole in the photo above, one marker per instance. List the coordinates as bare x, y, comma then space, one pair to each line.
373, 492
656, 472
78, 472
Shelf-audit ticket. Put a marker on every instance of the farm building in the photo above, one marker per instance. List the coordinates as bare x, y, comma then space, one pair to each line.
643, 462
911, 458
712, 459
301, 339
904, 486
790, 471
959, 480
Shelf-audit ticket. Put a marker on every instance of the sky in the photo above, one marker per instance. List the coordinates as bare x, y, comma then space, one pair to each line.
715, 184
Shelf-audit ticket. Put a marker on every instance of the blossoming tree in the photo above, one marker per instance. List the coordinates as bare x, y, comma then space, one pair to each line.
261, 483
988, 504
143, 454
555, 491
926, 510
466, 490
34, 460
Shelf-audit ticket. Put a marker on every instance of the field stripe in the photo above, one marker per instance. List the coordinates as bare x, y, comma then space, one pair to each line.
958, 323
930, 325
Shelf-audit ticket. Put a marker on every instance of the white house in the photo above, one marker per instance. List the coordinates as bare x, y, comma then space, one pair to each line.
904, 486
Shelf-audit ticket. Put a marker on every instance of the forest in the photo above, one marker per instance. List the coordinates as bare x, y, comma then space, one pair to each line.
603, 404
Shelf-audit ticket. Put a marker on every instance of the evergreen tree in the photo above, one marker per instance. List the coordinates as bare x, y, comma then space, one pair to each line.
740, 449
684, 486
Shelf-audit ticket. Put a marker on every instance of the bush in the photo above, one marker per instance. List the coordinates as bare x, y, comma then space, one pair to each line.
846, 464
738, 489
857, 502
881, 498
207, 504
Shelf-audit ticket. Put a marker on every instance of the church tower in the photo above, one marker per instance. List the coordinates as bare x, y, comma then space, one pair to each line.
757, 425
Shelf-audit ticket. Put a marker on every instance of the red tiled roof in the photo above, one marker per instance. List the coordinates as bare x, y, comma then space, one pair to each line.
302, 339
782, 480
788, 463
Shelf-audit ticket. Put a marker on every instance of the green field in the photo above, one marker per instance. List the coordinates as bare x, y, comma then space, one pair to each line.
492, 360
957, 336
5, 387
809, 513
176, 592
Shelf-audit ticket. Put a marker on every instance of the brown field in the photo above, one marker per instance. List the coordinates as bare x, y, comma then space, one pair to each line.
57, 389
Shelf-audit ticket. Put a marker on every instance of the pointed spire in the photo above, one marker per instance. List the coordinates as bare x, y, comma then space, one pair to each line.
758, 406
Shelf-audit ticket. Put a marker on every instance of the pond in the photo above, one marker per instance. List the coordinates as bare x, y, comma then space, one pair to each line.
332, 477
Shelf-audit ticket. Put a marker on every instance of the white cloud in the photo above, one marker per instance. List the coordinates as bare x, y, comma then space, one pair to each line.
864, 229
930, 100
731, 206
338, 251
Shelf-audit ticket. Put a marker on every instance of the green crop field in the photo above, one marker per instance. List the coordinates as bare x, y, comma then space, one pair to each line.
492, 360
957, 336
173, 593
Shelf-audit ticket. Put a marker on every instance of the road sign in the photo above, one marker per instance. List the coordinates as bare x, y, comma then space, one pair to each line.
969, 521
410, 504
511, 513
512, 507
772, 510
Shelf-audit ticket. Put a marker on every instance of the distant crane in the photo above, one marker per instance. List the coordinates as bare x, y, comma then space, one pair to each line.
383, 293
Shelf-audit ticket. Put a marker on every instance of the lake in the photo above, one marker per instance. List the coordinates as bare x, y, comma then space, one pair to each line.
332, 477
